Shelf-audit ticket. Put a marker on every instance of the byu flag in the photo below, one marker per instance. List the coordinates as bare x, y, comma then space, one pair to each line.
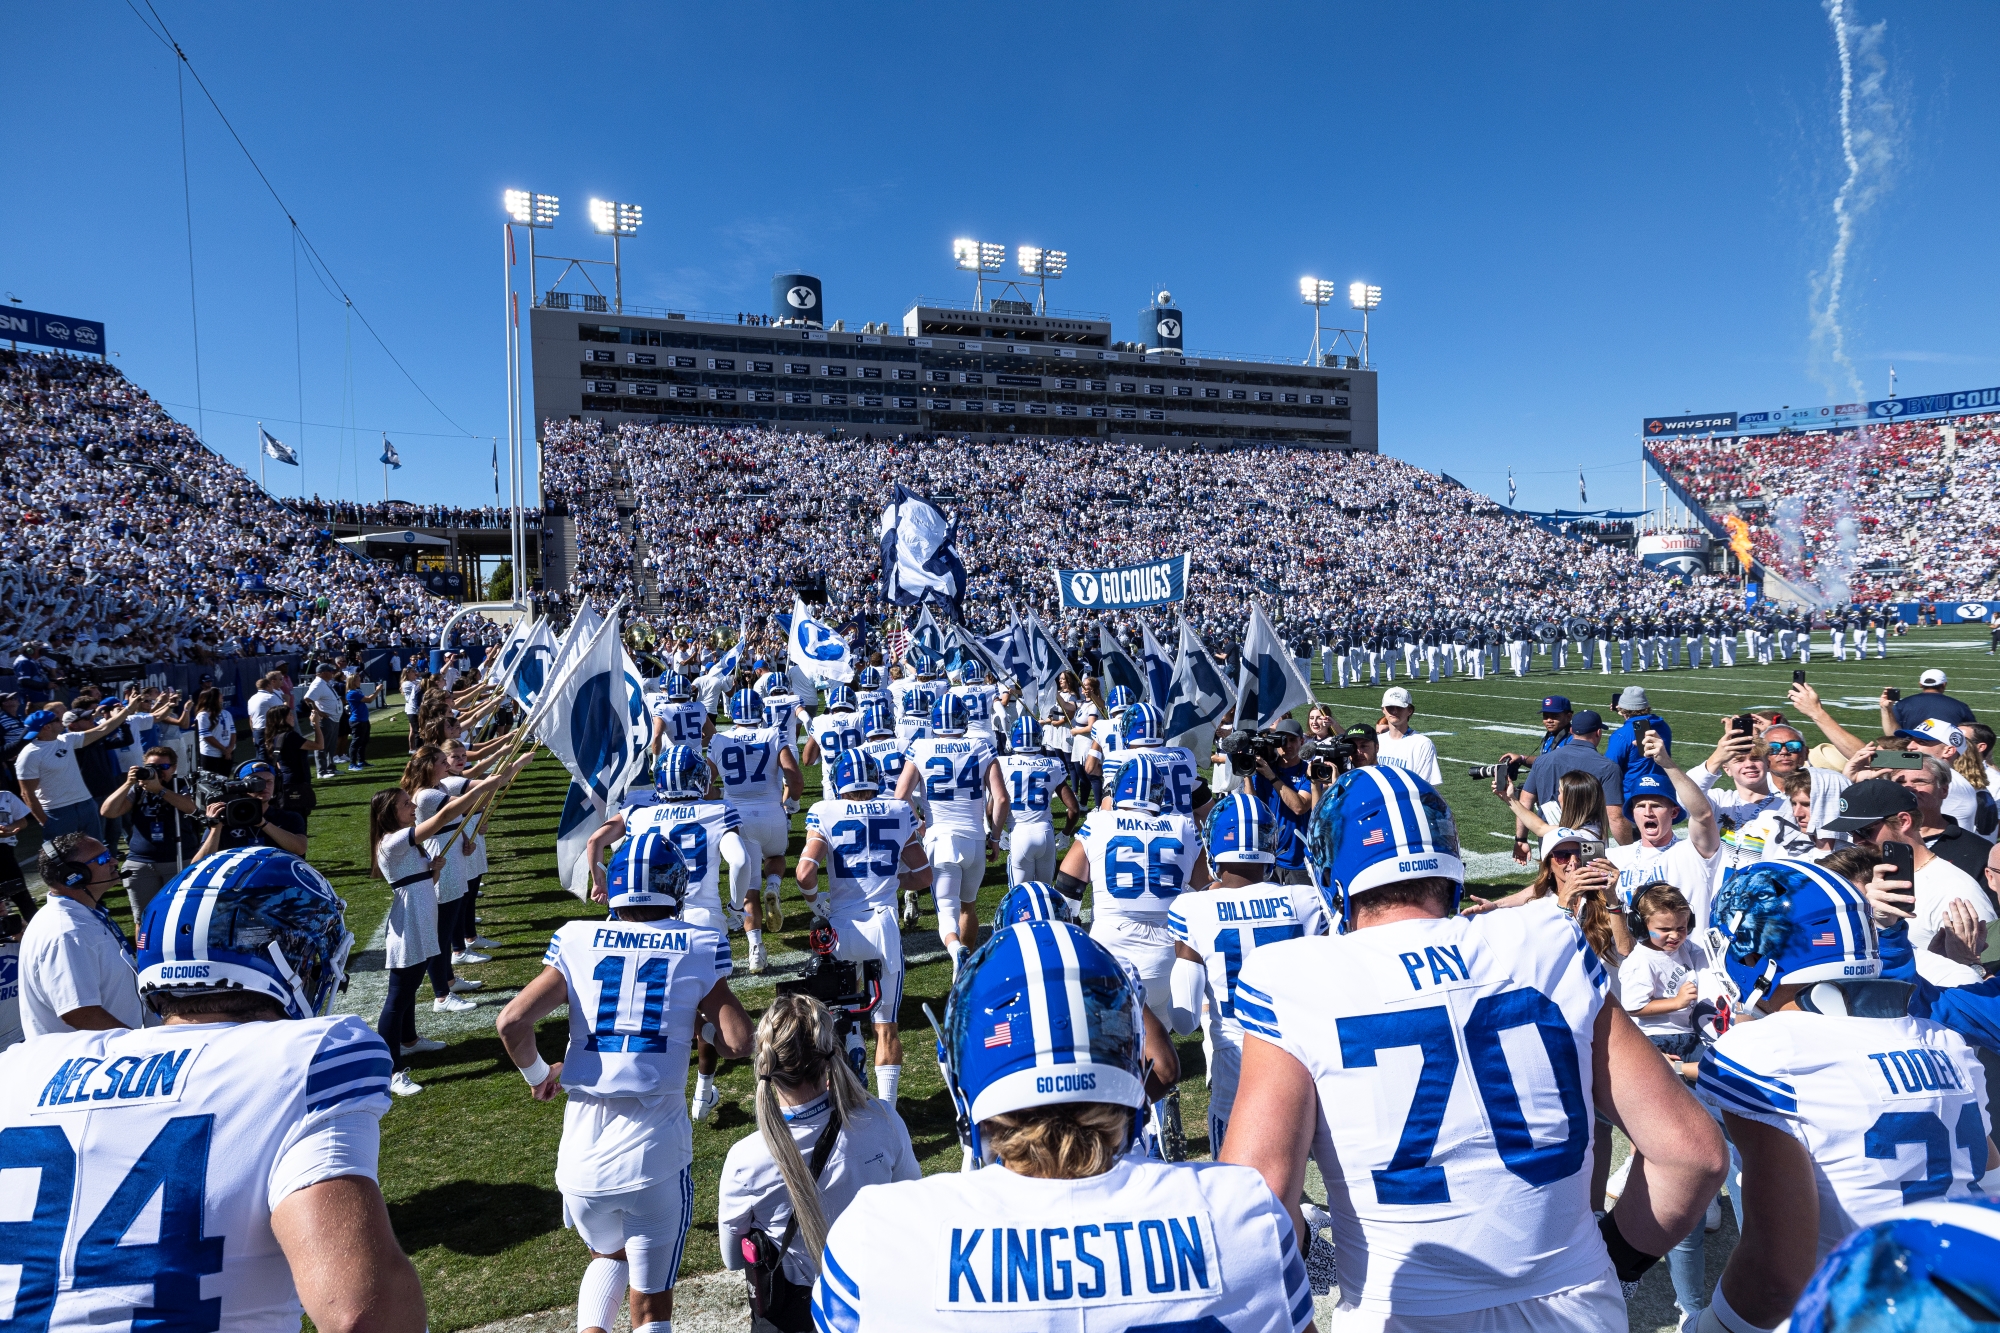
534, 665
1268, 685
1003, 650
725, 666
1116, 666
579, 820
638, 727
1198, 694
1045, 660
919, 552
394, 459
961, 645
587, 726
815, 649
1159, 666
275, 448
926, 634
1510, 486
500, 665
1582, 492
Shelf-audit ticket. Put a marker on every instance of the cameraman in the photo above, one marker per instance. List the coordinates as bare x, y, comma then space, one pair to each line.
266, 826
1287, 789
152, 809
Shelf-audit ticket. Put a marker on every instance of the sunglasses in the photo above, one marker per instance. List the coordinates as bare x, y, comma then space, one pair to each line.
103, 858
1566, 854
1793, 747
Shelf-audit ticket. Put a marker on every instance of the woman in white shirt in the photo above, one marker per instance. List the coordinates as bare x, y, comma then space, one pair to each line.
217, 732
805, 1091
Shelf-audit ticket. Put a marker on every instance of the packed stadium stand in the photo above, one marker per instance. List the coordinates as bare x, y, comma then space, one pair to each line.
1921, 496
125, 540
695, 521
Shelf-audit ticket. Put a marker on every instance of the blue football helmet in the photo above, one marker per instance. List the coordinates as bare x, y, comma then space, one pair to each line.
840, 699
878, 719
681, 774
1242, 828
925, 662
1934, 1266
1025, 736
1378, 826
647, 871
1791, 921
1041, 1015
1119, 697
948, 716
868, 678
972, 671
1142, 784
677, 687
274, 926
1033, 900
746, 708
856, 770
1145, 725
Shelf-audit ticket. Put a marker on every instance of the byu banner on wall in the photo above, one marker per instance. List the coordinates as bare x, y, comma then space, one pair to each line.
1151, 584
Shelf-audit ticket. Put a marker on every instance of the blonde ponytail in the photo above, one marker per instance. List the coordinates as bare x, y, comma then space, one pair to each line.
799, 1046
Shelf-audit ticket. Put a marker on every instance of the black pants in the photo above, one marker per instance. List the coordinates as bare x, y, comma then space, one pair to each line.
440, 962
357, 743
397, 1024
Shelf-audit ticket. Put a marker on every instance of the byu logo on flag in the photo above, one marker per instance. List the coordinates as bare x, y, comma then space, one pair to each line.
817, 641
1084, 585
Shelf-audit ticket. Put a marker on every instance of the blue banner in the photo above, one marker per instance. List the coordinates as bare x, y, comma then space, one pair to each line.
1151, 584
1949, 613
1936, 404
1834, 416
32, 326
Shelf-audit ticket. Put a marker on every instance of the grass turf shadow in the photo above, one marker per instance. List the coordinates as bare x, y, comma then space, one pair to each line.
476, 1216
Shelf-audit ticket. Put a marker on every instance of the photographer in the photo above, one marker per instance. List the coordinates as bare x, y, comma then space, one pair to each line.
247, 815
1541, 793
152, 811
1279, 779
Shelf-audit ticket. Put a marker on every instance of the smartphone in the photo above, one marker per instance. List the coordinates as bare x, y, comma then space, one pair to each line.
1901, 859
1798, 677
1641, 728
1593, 850
1896, 759
1893, 695
1616, 695
1742, 724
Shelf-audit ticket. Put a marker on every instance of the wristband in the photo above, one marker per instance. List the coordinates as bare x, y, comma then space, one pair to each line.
536, 1073
1630, 1262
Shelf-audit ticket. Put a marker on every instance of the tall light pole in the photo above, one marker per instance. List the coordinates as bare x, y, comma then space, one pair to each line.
536, 212
1315, 292
979, 258
1362, 297
617, 221
1041, 265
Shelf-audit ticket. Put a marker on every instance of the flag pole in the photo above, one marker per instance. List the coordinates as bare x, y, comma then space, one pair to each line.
260, 460
385, 467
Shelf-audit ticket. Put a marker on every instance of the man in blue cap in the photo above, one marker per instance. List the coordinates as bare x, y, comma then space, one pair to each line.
1556, 716
51, 782
1578, 754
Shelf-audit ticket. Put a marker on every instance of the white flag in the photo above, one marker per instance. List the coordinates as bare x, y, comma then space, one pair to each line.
275, 448
534, 666
586, 726
1199, 694
1267, 685
813, 648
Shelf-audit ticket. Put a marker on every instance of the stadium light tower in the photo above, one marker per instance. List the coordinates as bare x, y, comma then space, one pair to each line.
616, 221
536, 212
1041, 265
1362, 297
979, 258
1315, 292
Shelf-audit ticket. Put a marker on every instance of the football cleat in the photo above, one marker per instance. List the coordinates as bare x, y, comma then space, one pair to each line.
705, 1102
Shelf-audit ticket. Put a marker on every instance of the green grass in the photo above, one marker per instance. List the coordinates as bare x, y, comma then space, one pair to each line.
468, 1165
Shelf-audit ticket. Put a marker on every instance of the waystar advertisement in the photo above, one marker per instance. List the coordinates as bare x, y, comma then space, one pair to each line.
1150, 584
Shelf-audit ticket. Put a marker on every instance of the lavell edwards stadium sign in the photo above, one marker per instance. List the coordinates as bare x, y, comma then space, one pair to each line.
1150, 584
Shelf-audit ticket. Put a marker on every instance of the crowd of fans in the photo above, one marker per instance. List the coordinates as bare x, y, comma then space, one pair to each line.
404, 514
125, 540
1903, 510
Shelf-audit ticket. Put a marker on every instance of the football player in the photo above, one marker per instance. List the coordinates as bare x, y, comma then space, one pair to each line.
1929, 1266
980, 696
869, 847
1068, 1230
760, 773
1033, 777
1137, 858
915, 695
638, 987
1144, 730
252, 1121
1448, 1210
838, 729
1215, 930
965, 809
678, 717
706, 832
868, 687
1842, 1106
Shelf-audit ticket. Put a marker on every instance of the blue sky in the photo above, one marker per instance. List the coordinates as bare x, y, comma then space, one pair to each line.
1579, 214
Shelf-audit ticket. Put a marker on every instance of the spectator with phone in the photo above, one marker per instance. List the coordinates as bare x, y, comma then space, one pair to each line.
1626, 746
1658, 856
1928, 779
51, 782
157, 819
1540, 795
1943, 741
1930, 701
1884, 815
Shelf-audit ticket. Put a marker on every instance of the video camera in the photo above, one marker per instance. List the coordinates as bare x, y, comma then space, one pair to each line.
1244, 748
1327, 759
1487, 772
850, 990
242, 807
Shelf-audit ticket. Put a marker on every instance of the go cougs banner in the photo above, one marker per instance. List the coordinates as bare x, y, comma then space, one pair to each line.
1152, 584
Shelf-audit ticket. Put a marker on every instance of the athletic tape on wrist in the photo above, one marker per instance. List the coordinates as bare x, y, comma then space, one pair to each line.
536, 1073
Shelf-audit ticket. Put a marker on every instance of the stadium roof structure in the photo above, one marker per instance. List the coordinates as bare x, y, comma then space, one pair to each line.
396, 537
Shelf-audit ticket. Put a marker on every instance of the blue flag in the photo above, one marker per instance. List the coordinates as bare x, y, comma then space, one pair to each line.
1116, 666
919, 552
1159, 666
1197, 694
395, 460
275, 448
1268, 685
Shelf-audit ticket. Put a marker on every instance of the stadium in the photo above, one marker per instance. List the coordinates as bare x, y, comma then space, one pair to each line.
1109, 785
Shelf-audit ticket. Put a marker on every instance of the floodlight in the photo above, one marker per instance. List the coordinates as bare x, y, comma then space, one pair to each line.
966, 254
517, 205
1361, 296
547, 210
1316, 291
628, 217
531, 209
600, 214
1030, 259
1054, 262
992, 256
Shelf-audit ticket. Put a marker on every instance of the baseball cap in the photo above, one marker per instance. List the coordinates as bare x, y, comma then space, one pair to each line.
1586, 722
1651, 786
1870, 802
1285, 726
1556, 837
1634, 700
71, 716
1397, 697
40, 718
1931, 677
1936, 731
1555, 703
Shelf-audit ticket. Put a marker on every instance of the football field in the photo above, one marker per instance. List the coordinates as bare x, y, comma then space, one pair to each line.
468, 1164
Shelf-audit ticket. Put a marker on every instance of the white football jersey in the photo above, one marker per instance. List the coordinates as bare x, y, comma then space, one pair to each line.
746, 758
1106, 733
1453, 1063
979, 705
781, 714
633, 990
952, 773
696, 828
1182, 771
1139, 863
1888, 1108
888, 752
1193, 1245
684, 722
1226, 926
218, 1121
865, 841
834, 733
1031, 780
913, 698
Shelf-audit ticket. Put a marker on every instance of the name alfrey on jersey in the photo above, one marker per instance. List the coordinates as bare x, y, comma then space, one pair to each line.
88, 1079
1086, 1263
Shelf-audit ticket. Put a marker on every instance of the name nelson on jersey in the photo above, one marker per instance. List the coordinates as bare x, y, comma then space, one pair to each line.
1108, 1262
88, 1079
